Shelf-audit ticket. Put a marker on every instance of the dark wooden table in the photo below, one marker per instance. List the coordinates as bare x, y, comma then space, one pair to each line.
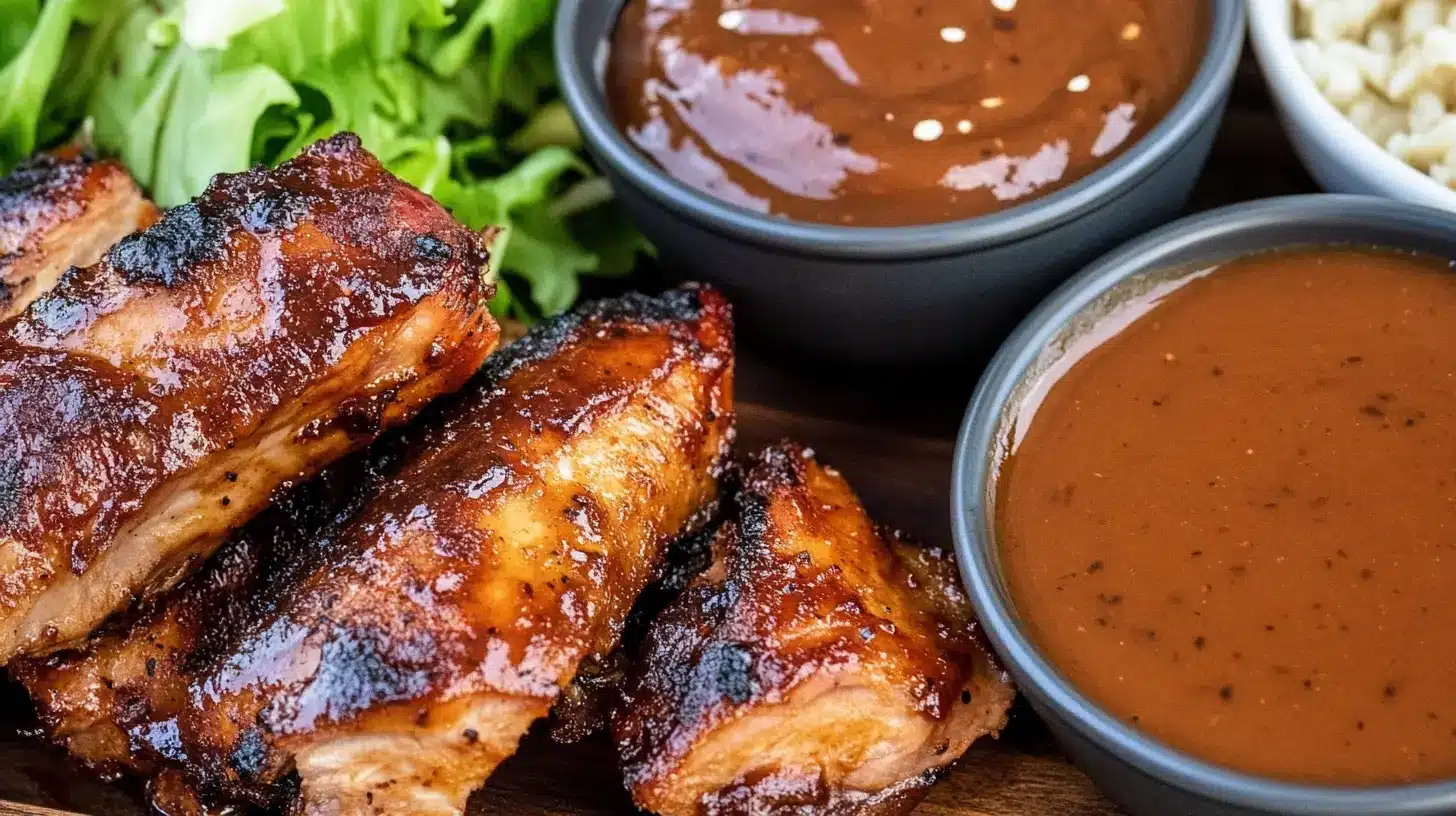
894, 440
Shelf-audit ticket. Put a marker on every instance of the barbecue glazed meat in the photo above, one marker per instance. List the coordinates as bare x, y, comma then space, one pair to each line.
150, 404
585, 706
400, 655
60, 210
820, 666
113, 703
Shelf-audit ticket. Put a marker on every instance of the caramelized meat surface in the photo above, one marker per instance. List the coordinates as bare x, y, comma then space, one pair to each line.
60, 210
820, 666
113, 703
394, 654
151, 403
585, 706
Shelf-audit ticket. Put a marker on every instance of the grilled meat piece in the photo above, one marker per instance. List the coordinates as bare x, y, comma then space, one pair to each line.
399, 655
585, 706
60, 210
113, 703
151, 403
820, 666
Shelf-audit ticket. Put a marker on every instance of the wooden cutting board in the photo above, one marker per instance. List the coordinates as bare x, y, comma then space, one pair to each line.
894, 440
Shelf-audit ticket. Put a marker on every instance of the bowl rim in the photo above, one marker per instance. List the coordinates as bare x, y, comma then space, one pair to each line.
973, 536
1307, 110
1201, 101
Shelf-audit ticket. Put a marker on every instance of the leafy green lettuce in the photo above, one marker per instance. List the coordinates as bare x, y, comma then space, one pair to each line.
455, 96
32, 40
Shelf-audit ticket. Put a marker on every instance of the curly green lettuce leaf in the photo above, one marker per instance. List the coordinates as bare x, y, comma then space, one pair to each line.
380, 103
19, 17
425, 164
132, 98
550, 126
26, 77
213, 23
508, 23
86, 56
535, 246
556, 229
606, 230
305, 34
540, 250
202, 130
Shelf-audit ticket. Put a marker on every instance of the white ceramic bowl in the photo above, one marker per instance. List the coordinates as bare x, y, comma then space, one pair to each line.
1336, 153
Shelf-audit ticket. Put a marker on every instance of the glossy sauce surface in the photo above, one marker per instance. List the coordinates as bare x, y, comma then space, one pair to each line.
1233, 524
875, 113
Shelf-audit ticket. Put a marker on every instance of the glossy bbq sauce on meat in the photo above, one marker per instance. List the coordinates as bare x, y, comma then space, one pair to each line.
1233, 523
892, 113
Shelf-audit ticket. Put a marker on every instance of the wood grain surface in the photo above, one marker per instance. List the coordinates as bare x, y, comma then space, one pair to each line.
893, 438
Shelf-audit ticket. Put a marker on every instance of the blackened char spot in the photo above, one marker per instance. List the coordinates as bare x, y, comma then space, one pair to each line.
778, 467
164, 253
40, 179
10, 491
251, 755
360, 667
274, 209
726, 670
263, 567
338, 145
430, 249
687, 557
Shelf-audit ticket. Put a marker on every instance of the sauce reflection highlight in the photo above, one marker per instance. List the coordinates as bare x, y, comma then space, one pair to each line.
878, 113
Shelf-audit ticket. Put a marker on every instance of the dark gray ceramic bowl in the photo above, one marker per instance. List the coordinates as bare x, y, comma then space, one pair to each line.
1146, 777
895, 295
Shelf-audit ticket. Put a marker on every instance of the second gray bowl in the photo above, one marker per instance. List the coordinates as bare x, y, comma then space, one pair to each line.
895, 295
1140, 773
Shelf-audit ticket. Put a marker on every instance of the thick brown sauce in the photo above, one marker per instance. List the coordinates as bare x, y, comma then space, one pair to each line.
1233, 524
890, 113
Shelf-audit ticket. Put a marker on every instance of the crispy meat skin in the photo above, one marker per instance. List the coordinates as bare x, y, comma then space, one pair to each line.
59, 210
396, 657
151, 403
821, 665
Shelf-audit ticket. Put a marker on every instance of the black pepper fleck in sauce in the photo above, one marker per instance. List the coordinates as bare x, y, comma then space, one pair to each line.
1308, 527
811, 109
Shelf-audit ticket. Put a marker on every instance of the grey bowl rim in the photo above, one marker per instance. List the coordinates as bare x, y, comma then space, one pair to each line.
1199, 102
973, 537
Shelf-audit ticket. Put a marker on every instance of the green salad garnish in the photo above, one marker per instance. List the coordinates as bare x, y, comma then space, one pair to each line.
455, 96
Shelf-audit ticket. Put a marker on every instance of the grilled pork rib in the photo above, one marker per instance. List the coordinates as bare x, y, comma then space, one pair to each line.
396, 657
150, 404
114, 703
819, 666
60, 210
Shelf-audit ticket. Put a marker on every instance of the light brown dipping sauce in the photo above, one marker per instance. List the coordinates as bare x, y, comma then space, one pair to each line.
1233, 524
890, 113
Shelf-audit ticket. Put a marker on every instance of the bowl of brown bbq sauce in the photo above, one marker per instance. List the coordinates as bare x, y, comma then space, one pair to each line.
1205, 503
895, 182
